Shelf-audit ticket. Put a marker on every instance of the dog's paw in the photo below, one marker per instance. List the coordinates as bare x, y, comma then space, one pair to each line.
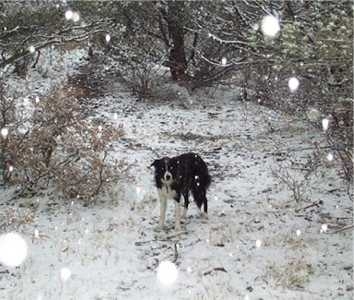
178, 228
204, 216
160, 228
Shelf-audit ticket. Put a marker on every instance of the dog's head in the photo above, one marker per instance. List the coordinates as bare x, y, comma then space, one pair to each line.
164, 170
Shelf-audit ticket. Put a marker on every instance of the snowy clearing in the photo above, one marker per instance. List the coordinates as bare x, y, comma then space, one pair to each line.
258, 243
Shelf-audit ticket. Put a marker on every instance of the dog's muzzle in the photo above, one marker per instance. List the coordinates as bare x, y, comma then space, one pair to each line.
167, 176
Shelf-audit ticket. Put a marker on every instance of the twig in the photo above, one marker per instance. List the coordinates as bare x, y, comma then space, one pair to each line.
164, 239
175, 253
344, 228
316, 203
221, 269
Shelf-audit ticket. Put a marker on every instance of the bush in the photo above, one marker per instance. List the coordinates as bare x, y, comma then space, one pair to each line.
51, 144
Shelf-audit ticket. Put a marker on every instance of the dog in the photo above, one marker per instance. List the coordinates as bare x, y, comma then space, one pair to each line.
176, 177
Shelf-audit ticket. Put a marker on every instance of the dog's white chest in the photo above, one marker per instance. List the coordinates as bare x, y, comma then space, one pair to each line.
166, 192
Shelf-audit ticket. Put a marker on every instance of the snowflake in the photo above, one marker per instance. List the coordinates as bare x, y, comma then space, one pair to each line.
329, 156
258, 243
293, 84
13, 249
270, 26
31, 49
69, 14
324, 228
167, 273
65, 274
325, 124
4, 132
76, 17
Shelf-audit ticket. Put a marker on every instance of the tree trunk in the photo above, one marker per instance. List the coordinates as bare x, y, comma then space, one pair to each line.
177, 56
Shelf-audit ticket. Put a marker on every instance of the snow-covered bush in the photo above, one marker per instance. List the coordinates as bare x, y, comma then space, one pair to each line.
54, 146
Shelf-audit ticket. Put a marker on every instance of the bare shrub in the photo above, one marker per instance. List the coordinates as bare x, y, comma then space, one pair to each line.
295, 184
53, 145
143, 78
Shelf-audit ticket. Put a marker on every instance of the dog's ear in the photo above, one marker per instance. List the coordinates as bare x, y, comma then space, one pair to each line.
155, 163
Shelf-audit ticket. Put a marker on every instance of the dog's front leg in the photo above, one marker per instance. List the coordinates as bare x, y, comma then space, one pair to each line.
177, 216
163, 206
177, 199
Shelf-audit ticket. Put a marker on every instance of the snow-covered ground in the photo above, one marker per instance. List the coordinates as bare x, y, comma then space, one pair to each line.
258, 243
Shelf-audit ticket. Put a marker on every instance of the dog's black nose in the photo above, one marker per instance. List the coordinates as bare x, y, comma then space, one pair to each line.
168, 176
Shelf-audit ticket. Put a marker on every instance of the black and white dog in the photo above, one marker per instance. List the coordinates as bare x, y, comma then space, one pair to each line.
178, 176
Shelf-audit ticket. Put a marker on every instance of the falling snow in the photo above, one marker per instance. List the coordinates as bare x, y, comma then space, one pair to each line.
4, 133
13, 249
65, 274
112, 248
293, 84
167, 273
325, 124
270, 26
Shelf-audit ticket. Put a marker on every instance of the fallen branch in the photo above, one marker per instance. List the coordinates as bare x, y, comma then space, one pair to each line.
175, 253
343, 228
316, 203
166, 238
220, 269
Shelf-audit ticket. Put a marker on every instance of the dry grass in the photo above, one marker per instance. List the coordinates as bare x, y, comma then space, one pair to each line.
293, 274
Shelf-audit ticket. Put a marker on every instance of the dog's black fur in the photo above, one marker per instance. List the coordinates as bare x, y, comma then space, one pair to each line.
188, 173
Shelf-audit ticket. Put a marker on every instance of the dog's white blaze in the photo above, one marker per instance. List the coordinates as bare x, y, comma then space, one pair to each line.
13, 249
167, 272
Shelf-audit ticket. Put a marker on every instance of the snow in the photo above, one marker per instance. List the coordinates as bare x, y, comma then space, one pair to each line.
65, 274
325, 124
167, 273
69, 14
293, 84
31, 49
75, 16
13, 249
324, 228
246, 249
270, 26
330, 157
4, 132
